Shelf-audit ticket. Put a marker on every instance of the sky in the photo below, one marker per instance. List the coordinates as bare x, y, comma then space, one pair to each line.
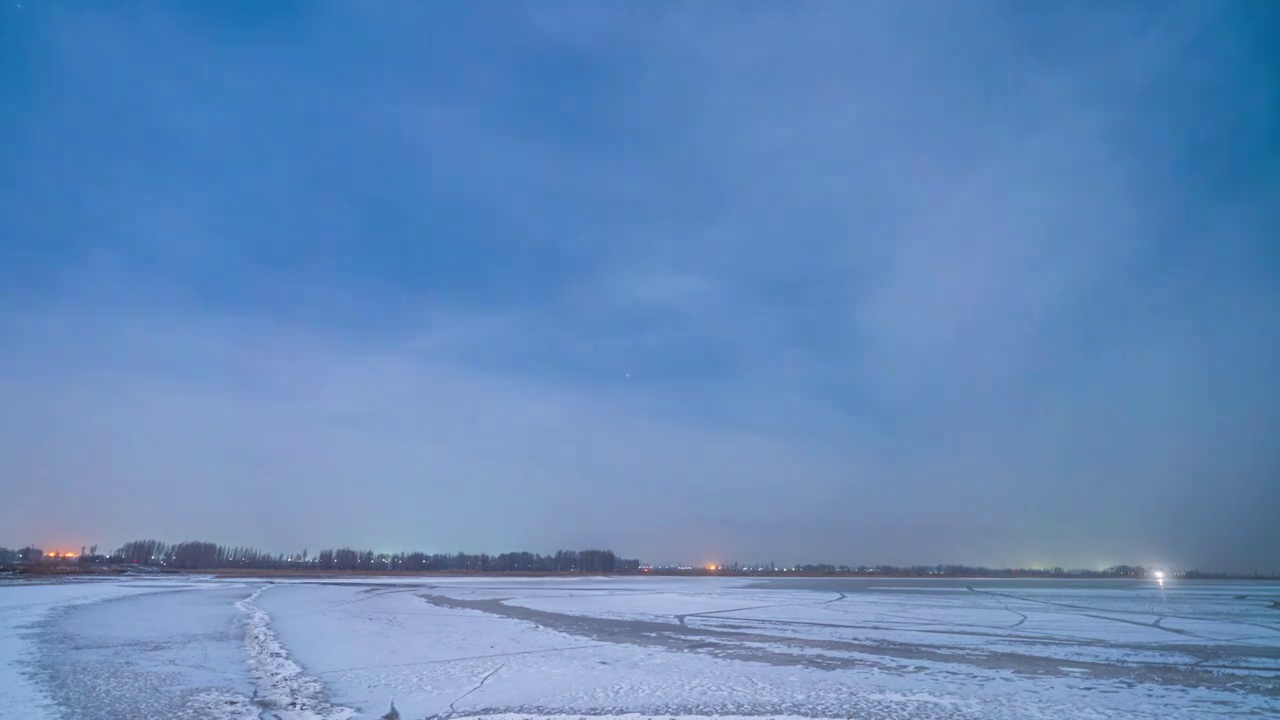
991, 282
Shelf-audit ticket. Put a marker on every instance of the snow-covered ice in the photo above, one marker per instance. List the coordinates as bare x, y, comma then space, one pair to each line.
286, 691
636, 647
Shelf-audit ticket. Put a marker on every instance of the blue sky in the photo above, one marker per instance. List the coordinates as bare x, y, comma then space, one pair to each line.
992, 283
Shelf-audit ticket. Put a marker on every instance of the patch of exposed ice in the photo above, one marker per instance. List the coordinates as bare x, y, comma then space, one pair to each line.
214, 705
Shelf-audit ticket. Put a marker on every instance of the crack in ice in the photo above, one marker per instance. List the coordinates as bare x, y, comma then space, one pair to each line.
483, 680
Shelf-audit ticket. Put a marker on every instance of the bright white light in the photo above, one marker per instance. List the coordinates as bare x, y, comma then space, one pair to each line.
1159, 575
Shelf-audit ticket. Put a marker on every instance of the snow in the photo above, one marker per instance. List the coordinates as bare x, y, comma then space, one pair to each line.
284, 689
167, 649
636, 648
22, 606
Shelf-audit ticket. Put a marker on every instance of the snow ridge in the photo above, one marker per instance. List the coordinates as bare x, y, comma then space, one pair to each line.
284, 690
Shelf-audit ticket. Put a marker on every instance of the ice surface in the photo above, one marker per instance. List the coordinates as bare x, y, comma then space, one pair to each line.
284, 690
23, 606
172, 651
637, 648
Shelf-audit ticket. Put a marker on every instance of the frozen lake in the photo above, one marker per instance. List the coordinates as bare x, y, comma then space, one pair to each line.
656, 647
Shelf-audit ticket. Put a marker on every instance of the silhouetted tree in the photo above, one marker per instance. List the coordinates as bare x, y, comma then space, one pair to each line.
30, 554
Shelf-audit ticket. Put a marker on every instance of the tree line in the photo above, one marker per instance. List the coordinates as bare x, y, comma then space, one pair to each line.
199, 555
958, 571
211, 556
26, 554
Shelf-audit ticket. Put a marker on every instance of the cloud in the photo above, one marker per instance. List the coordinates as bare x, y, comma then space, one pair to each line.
887, 286
181, 427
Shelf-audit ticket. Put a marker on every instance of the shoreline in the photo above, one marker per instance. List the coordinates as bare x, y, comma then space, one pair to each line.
46, 570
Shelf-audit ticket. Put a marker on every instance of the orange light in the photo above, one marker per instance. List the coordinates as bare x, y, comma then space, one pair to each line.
712, 568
